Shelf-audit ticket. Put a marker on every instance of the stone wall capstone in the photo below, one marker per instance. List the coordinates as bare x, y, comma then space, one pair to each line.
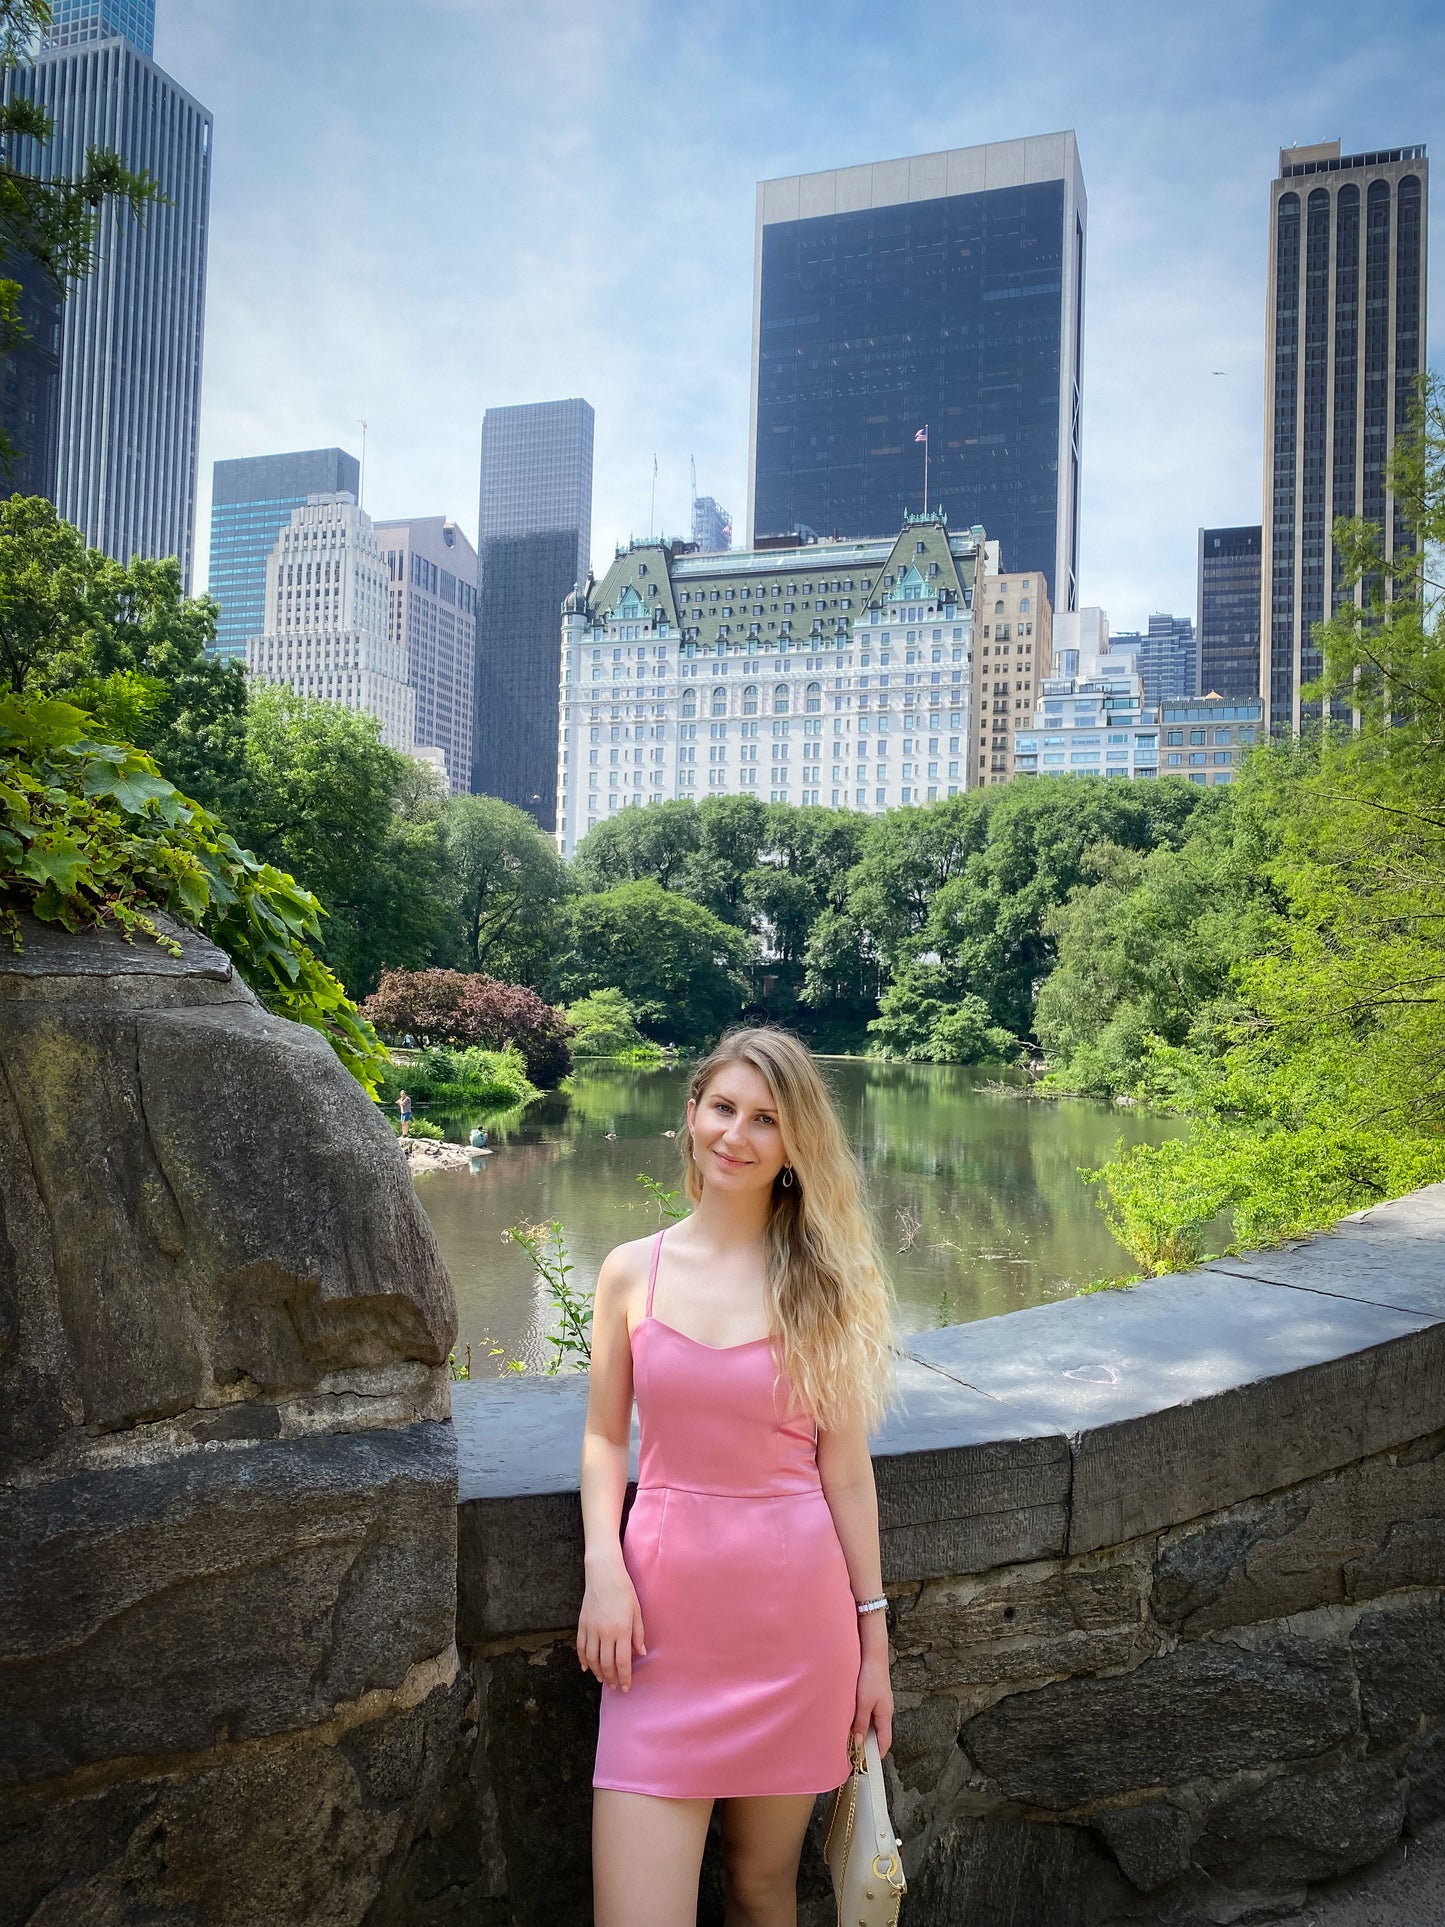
229, 1686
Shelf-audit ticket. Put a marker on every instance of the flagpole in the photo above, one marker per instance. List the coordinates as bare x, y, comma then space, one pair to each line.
925, 468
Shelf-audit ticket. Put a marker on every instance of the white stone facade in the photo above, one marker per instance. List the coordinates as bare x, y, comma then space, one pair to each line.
326, 618
836, 674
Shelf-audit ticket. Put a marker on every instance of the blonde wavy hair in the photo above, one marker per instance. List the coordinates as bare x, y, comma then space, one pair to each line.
831, 1302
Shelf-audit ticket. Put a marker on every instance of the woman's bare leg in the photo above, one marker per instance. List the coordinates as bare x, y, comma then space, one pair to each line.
762, 1844
646, 1857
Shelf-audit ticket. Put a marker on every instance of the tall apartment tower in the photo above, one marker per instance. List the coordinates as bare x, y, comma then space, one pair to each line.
1228, 611
1167, 654
432, 572
535, 542
712, 526
251, 502
1012, 653
327, 630
129, 388
924, 311
1343, 348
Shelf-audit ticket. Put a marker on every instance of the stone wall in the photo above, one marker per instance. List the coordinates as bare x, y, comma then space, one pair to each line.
229, 1688
1167, 1571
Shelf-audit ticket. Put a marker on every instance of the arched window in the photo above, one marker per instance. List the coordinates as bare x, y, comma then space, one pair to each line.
998, 608
750, 699
719, 702
780, 700
813, 699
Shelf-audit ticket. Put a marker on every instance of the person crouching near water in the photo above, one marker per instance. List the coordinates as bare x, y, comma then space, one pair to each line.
738, 1626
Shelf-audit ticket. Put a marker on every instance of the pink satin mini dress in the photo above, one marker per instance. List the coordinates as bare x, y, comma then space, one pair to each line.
750, 1677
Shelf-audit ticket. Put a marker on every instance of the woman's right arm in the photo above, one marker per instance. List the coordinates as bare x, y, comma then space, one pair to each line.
610, 1625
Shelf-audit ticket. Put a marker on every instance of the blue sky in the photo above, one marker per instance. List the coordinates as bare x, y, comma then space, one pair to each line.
422, 208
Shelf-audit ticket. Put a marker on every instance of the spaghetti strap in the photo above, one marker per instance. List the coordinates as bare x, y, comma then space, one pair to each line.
652, 1275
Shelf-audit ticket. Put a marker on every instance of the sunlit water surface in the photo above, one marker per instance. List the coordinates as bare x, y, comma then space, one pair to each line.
977, 1193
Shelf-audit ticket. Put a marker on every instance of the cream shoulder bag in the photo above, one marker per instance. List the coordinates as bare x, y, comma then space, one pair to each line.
861, 1848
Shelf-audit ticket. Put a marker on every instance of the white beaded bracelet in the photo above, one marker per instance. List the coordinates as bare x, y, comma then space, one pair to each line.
872, 1605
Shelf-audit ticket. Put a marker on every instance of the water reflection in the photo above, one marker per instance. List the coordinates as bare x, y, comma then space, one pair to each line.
977, 1193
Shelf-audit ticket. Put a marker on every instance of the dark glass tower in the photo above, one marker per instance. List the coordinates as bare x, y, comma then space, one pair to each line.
536, 538
942, 293
1344, 345
1228, 611
30, 384
129, 389
251, 502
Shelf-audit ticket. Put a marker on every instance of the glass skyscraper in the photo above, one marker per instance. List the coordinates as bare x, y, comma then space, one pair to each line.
939, 297
128, 399
1344, 347
535, 543
251, 502
1167, 655
73, 22
1229, 611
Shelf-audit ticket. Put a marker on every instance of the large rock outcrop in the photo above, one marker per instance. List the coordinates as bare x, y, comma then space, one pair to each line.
228, 1674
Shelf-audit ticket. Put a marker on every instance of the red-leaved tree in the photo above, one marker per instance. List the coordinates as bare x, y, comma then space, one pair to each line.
452, 1007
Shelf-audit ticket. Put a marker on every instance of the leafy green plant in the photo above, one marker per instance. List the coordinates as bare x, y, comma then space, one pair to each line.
92, 835
423, 1127
488, 1080
669, 1203
571, 1335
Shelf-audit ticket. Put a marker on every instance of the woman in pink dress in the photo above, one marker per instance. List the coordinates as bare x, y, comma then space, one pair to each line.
737, 1626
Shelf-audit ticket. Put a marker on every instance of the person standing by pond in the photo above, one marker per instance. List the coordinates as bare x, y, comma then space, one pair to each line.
403, 1105
738, 1627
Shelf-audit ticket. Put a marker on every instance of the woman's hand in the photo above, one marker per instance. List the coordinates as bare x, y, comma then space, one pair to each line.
875, 1694
609, 1629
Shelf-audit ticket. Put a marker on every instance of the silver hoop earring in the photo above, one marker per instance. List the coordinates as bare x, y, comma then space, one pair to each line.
787, 1177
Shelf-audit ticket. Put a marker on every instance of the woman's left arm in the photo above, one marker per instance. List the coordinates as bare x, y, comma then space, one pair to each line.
846, 1470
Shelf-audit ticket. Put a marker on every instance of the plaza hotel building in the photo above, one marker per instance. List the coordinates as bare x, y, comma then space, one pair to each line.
837, 673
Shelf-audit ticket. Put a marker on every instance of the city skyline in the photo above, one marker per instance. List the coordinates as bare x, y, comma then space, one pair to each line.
495, 299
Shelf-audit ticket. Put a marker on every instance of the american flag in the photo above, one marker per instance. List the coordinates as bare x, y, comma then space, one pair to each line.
921, 436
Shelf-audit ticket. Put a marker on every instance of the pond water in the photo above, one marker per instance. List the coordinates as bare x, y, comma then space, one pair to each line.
976, 1192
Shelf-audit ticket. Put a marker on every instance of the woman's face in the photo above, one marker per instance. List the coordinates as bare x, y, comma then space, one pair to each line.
736, 1138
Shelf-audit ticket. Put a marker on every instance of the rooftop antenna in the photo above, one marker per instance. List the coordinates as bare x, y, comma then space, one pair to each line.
361, 471
652, 511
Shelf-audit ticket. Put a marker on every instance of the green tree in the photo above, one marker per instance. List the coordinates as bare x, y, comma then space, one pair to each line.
1329, 1093
358, 822
123, 643
679, 966
606, 1026
635, 845
510, 884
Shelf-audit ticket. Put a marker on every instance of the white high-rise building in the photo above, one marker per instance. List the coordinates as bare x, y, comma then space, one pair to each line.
432, 571
835, 673
327, 631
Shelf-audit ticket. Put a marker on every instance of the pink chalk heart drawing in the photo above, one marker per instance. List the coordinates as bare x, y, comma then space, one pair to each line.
1094, 1374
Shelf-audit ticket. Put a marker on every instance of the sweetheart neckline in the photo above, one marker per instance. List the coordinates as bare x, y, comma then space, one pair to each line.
688, 1339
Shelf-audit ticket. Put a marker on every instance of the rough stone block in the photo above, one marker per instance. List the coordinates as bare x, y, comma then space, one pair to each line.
964, 1482
1311, 1824
1398, 1648
1199, 1712
163, 1244
231, 1593
519, 1549
540, 1722
1150, 1840
1011, 1873
1021, 1623
323, 1261
277, 1833
1424, 1770
1169, 1389
1372, 1528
